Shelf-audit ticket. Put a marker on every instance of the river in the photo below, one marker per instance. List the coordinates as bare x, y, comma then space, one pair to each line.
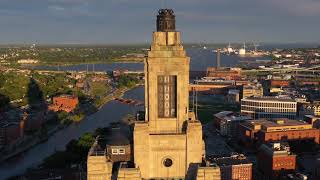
110, 112
200, 60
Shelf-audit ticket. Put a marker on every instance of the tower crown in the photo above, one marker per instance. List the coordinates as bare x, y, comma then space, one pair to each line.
166, 20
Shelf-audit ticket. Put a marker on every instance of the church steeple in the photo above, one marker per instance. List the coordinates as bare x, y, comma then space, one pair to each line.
166, 20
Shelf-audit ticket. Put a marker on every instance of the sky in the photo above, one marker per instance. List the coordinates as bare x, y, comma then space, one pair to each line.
132, 21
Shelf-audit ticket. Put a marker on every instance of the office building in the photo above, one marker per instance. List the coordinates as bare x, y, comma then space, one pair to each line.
264, 131
234, 167
275, 159
227, 123
269, 107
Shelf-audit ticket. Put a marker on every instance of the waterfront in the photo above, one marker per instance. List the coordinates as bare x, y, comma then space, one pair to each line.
110, 112
200, 60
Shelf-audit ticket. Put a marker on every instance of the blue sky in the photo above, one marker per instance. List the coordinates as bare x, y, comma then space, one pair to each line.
132, 21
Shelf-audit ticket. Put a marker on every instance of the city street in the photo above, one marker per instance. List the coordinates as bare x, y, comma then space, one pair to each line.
215, 144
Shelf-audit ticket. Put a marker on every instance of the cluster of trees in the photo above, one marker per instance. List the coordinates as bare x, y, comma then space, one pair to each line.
128, 81
76, 153
14, 86
35, 87
70, 54
76, 150
85, 54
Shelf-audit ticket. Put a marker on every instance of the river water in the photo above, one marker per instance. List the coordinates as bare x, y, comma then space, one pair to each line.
110, 112
200, 60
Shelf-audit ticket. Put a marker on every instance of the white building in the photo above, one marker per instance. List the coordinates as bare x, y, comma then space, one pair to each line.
269, 107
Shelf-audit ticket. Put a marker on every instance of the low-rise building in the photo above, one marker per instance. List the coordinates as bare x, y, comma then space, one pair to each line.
9, 133
314, 120
114, 145
311, 109
119, 148
279, 83
316, 169
275, 159
64, 103
227, 123
226, 73
210, 171
295, 176
28, 61
252, 90
233, 96
234, 167
265, 131
269, 107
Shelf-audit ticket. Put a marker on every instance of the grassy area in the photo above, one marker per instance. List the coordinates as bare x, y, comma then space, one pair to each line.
208, 105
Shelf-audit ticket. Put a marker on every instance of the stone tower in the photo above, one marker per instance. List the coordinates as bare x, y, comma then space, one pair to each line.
169, 141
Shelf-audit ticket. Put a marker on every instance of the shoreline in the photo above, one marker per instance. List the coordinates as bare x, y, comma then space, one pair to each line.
38, 140
80, 63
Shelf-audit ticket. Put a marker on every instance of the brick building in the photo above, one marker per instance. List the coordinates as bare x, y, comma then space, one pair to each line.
263, 131
275, 159
32, 121
64, 103
280, 83
9, 133
226, 73
234, 167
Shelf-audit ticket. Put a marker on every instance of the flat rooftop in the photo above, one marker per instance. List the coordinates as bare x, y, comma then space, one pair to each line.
271, 98
277, 124
232, 160
114, 135
276, 149
231, 116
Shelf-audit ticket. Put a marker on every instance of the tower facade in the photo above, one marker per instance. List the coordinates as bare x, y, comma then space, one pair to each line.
169, 141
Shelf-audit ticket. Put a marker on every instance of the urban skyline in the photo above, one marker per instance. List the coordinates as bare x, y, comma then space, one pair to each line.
204, 21
78, 105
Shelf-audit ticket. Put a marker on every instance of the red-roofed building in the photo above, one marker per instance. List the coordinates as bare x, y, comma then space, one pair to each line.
64, 103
